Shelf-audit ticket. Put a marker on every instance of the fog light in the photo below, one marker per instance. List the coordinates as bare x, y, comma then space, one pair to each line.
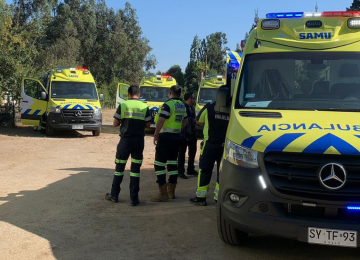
234, 198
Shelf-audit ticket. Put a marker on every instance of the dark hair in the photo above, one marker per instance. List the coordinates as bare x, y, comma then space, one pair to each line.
133, 90
175, 90
188, 95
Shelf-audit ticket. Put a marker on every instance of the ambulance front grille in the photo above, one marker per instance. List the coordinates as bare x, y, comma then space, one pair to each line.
297, 174
78, 113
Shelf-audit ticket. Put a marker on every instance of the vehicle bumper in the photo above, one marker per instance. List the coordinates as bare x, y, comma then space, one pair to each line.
261, 212
58, 122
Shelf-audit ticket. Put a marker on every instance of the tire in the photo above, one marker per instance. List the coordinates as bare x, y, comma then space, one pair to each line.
96, 132
49, 130
228, 234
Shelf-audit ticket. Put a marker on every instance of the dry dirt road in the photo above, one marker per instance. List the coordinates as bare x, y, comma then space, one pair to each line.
52, 207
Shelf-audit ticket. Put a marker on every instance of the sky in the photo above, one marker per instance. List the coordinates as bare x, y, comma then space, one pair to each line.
171, 25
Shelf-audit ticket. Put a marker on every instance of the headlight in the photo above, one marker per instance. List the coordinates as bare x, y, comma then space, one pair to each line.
55, 110
240, 155
97, 111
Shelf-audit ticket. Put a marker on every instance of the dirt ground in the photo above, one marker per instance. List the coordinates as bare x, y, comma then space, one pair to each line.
52, 207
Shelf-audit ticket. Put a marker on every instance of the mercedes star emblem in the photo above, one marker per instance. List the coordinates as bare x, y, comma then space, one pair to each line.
78, 113
332, 176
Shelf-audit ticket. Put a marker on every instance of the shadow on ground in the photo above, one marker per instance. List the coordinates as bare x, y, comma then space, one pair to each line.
79, 224
28, 131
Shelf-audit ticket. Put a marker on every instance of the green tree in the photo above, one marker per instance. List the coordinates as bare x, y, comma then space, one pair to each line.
355, 6
238, 48
216, 51
18, 46
177, 74
206, 55
39, 35
191, 77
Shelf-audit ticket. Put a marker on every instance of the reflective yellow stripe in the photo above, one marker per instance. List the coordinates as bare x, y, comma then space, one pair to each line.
159, 163
160, 172
203, 147
119, 173
173, 173
216, 191
172, 162
136, 161
132, 174
120, 161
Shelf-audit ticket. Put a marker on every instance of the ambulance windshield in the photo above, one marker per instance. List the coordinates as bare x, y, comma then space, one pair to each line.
300, 81
73, 90
207, 95
155, 94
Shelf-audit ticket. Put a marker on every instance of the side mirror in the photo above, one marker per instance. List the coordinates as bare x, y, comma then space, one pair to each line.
43, 95
102, 98
223, 100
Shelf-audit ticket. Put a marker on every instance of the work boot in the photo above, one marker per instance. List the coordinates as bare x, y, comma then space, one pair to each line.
171, 190
162, 196
198, 201
135, 202
111, 198
182, 176
192, 172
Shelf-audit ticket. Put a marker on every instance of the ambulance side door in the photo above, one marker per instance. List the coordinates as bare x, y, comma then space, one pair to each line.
122, 93
32, 106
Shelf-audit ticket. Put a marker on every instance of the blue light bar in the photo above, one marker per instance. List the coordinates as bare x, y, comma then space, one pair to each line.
285, 15
353, 208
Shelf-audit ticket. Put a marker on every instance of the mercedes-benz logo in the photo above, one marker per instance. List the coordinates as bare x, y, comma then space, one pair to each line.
78, 113
154, 113
332, 176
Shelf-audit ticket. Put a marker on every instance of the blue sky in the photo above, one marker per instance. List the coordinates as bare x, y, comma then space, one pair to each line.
171, 25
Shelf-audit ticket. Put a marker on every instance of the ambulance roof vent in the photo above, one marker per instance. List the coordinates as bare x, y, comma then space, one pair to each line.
260, 114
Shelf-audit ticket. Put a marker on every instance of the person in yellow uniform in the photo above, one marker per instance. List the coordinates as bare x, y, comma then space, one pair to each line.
215, 127
133, 115
170, 120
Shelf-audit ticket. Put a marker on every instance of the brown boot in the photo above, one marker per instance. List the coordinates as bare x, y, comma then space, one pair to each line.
171, 190
162, 196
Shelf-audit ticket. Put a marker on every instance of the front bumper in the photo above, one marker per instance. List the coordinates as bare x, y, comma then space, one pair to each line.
261, 212
57, 121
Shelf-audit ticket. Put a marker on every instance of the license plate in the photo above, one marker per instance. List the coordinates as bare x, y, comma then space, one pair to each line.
152, 125
332, 237
77, 127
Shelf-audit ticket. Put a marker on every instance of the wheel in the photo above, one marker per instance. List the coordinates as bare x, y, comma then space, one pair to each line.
96, 132
49, 130
228, 234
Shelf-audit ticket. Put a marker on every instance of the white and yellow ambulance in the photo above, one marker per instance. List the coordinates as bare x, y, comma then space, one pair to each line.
291, 163
63, 99
154, 90
207, 90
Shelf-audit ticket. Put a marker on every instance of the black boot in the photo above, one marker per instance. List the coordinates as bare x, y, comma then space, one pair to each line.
198, 201
111, 198
182, 176
192, 172
135, 202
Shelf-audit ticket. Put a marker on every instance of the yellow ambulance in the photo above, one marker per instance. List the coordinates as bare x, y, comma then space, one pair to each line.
291, 164
207, 90
154, 90
63, 99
